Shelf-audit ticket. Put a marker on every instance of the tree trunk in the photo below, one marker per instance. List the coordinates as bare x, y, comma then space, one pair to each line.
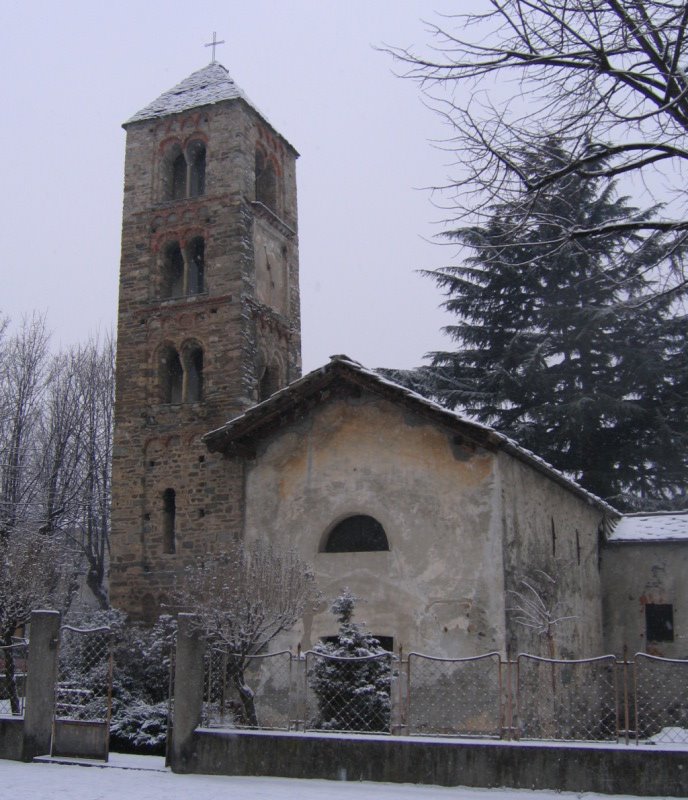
94, 581
246, 696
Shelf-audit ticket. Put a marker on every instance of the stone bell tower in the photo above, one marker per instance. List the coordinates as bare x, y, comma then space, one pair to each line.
208, 321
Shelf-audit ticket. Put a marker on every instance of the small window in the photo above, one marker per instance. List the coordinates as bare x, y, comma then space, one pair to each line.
356, 534
659, 622
169, 513
171, 376
194, 375
196, 155
196, 261
179, 177
266, 181
172, 271
269, 383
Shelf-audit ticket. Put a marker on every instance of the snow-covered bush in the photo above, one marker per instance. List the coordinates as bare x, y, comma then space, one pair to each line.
351, 679
139, 727
140, 678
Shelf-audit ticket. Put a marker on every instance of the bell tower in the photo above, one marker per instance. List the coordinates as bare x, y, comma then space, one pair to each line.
208, 321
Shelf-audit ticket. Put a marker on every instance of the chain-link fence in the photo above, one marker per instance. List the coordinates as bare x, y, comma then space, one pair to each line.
455, 697
248, 691
348, 693
567, 700
598, 699
84, 681
661, 699
13, 666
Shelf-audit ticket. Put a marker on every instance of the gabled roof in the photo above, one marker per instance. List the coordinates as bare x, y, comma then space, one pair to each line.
209, 85
237, 435
662, 526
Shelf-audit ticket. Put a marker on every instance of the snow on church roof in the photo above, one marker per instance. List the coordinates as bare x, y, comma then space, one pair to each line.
662, 526
209, 85
271, 409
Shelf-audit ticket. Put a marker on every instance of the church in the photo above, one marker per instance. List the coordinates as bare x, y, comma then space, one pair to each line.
440, 524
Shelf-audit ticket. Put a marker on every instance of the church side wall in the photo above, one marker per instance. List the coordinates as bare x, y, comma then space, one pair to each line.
439, 588
550, 530
634, 576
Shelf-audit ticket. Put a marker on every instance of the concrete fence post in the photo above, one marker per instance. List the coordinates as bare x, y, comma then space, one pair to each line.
188, 691
41, 677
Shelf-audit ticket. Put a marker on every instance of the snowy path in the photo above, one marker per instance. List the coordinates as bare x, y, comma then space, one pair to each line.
46, 781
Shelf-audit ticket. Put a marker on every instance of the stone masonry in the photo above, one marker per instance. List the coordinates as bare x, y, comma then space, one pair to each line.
192, 356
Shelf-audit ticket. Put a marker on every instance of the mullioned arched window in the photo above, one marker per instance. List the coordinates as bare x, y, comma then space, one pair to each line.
183, 171
182, 271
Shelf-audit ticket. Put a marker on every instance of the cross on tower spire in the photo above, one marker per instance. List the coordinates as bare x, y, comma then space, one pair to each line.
214, 44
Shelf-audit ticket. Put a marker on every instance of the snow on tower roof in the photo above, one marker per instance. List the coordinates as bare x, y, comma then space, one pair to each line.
209, 85
662, 526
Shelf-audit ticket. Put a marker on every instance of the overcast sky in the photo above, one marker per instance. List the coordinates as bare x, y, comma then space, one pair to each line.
74, 70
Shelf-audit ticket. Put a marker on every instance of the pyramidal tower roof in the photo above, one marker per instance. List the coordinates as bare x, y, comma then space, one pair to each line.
211, 84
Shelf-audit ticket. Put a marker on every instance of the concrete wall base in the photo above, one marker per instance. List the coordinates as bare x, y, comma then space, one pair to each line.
573, 768
81, 739
11, 738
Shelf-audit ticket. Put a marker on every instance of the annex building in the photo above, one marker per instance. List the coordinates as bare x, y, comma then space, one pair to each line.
435, 520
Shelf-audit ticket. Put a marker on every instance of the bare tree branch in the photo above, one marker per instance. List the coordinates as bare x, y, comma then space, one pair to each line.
605, 78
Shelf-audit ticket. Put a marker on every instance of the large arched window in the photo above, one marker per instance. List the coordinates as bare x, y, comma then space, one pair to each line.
170, 375
266, 181
356, 534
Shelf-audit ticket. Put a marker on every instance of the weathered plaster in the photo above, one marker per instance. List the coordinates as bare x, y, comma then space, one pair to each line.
550, 529
637, 574
438, 589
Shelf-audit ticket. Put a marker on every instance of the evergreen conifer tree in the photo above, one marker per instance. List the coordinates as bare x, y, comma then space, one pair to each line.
352, 679
569, 348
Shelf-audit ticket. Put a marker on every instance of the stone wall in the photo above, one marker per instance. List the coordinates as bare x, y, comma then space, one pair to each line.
239, 321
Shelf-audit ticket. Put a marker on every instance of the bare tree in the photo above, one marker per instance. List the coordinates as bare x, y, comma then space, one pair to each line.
607, 78
77, 454
23, 368
33, 571
536, 608
56, 443
243, 598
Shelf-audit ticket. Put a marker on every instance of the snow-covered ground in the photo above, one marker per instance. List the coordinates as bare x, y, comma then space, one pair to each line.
145, 778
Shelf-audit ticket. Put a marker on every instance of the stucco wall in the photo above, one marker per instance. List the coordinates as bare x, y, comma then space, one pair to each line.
439, 588
548, 529
637, 574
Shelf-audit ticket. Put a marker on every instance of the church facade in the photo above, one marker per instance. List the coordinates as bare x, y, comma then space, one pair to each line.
442, 525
